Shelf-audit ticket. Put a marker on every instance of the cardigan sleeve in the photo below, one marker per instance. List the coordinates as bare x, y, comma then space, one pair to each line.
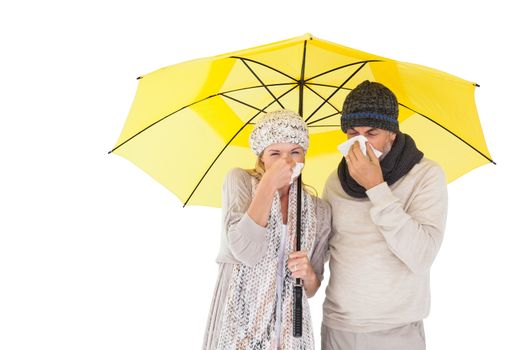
245, 238
414, 234
320, 251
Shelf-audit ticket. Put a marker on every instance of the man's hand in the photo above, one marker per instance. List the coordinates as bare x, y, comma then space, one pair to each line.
366, 171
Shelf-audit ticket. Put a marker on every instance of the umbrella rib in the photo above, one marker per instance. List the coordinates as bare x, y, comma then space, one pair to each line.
451, 132
315, 92
228, 143
341, 67
324, 126
263, 84
191, 104
244, 103
310, 124
336, 90
257, 86
331, 86
161, 119
265, 65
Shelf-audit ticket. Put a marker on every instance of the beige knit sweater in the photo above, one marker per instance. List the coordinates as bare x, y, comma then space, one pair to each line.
382, 249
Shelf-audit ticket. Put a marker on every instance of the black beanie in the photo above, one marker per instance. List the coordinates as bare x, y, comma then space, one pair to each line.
370, 104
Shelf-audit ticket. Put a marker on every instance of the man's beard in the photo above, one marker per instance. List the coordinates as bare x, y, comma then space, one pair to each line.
387, 149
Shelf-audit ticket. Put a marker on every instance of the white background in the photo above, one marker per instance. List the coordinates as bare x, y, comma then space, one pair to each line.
94, 254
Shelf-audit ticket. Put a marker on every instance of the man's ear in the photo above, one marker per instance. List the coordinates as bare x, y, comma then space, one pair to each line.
393, 136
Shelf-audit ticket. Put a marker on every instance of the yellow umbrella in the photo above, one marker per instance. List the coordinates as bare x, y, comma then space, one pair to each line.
190, 122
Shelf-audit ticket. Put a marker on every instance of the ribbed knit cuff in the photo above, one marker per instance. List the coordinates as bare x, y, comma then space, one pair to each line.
381, 195
251, 231
248, 241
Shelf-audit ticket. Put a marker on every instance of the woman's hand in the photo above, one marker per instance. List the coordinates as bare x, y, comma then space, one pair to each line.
299, 265
279, 174
273, 179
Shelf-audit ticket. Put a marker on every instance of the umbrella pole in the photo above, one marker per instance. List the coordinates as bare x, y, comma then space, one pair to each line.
298, 285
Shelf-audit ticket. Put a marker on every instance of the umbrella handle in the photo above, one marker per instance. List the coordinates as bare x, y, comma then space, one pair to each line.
298, 310
298, 286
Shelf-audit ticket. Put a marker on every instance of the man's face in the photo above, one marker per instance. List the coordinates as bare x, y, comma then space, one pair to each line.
380, 139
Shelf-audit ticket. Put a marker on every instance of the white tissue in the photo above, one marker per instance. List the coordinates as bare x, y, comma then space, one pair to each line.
296, 171
345, 146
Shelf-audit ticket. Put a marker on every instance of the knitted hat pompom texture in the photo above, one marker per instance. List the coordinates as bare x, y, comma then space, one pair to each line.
370, 104
281, 126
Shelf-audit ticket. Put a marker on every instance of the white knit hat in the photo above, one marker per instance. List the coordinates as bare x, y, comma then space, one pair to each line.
281, 126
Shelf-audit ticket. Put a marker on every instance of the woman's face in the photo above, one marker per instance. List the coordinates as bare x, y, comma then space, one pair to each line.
282, 150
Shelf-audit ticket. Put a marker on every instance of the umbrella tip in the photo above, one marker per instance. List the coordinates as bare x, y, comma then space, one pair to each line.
309, 36
138, 78
476, 84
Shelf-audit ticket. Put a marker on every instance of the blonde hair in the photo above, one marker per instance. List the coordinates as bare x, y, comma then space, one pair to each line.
259, 170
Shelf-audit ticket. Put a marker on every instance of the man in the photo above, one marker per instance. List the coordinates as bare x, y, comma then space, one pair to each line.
388, 221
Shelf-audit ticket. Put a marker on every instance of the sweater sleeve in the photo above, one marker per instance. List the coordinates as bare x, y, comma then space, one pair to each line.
245, 238
413, 234
324, 228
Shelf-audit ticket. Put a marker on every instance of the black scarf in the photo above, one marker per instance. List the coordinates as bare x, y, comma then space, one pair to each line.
396, 164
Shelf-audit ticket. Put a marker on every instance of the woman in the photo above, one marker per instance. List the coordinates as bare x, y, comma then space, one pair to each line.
252, 303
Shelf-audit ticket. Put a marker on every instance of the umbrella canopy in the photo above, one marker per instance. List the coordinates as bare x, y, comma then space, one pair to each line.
190, 122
